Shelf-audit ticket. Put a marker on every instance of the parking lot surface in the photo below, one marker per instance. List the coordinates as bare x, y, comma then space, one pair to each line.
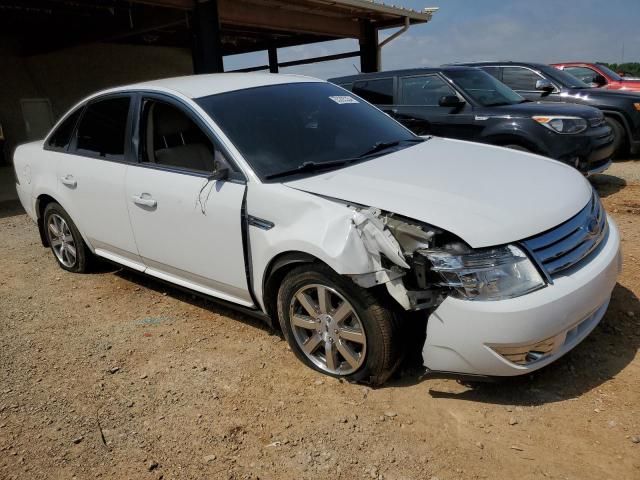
113, 375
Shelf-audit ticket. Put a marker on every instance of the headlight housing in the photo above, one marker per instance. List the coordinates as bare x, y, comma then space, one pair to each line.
563, 125
488, 274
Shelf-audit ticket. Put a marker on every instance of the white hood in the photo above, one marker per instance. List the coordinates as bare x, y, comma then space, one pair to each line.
486, 195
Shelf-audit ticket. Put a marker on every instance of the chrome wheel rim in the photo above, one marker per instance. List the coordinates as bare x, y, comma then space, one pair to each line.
61, 240
327, 329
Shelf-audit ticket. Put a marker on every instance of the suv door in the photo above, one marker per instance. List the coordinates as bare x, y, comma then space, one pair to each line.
92, 178
418, 108
188, 227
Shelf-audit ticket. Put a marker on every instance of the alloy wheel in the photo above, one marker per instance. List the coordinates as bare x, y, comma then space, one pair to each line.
61, 240
327, 329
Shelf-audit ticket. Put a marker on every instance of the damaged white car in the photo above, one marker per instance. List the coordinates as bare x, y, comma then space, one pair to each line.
292, 198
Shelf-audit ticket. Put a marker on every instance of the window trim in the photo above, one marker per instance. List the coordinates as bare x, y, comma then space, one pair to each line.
394, 89
47, 141
543, 77
126, 157
236, 175
447, 82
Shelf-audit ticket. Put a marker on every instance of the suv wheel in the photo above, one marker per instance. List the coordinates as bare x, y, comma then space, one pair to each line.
336, 327
65, 240
619, 136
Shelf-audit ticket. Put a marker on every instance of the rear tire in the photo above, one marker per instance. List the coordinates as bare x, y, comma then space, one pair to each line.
67, 245
336, 327
619, 137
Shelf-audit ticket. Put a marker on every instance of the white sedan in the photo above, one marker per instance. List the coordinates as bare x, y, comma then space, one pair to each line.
292, 198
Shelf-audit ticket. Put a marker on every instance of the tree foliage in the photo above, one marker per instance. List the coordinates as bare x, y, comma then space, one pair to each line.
632, 69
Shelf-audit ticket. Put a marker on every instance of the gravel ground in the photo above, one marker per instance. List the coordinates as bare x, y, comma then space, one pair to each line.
112, 375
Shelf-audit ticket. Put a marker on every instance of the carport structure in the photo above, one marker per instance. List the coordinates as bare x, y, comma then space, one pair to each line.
211, 28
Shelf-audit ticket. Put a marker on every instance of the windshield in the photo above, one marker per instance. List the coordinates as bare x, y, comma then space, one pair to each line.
565, 79
613, 75
282, 127
484, 88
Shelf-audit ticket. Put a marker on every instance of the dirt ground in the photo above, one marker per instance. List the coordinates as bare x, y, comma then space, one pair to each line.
112, 375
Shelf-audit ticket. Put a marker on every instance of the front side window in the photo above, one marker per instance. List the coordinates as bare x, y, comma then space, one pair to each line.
425, 90
60, 138
582, 73
378, 92
280, 127
484, 88
519, 78
102, 129
171, 138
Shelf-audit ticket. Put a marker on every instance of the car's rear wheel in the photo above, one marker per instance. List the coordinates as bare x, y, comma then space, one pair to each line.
337, 327
65, 240
619, 136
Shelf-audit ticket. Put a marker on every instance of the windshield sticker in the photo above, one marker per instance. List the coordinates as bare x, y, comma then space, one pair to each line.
341, 100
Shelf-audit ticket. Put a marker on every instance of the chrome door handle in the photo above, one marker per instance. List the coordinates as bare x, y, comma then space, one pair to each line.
69, 181
144, 200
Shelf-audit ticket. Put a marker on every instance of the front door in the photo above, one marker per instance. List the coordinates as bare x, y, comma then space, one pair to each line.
91, 176
187, 227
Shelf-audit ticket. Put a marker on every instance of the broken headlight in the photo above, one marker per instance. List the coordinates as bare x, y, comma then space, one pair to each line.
487, 274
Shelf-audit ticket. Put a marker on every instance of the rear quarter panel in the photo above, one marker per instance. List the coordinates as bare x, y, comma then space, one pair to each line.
36, 172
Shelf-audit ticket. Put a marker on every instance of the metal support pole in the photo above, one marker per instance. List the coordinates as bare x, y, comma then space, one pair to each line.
207, 48
368, 48
273, 60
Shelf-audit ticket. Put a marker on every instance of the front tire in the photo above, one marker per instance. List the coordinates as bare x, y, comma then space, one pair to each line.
65, 240
337, 328
619, 137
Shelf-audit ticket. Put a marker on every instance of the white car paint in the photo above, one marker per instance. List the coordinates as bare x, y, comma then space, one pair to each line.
486, 195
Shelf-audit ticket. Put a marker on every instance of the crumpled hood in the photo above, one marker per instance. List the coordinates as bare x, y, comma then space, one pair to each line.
486, 195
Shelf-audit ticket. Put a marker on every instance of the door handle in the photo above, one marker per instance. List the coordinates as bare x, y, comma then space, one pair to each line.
144, 200
69, 181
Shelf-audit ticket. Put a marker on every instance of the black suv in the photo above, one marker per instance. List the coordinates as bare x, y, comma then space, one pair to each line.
468, 104
537, 81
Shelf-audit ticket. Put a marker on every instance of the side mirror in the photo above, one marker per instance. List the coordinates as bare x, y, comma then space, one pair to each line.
599, 80
451, 101
545, 85
220, 172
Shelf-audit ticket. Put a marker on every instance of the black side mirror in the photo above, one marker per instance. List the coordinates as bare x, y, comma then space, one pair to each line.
451, 101
545, 85
220, 172
599, 80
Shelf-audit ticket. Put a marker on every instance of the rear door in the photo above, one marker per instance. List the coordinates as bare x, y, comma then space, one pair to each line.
418, 108
188, 227
91, 175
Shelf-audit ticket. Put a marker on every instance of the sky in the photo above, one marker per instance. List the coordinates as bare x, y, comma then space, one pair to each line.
465, 30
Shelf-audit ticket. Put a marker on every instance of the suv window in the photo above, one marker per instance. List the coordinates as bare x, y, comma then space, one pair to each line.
103, 127
425, 90
495, 72
583, 73
61, 137
378, 92
519, 78
171, 138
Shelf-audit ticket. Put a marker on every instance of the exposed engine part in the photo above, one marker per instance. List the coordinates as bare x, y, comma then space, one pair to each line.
378, 239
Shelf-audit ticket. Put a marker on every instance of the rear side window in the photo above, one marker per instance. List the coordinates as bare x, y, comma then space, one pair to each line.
61, 137
519, 78
103, 127
378, 92
427, 90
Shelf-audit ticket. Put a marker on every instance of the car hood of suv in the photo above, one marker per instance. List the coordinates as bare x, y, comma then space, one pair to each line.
529, 109
600, 94
484, 194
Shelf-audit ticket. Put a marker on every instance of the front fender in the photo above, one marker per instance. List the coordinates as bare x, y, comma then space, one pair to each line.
514, 132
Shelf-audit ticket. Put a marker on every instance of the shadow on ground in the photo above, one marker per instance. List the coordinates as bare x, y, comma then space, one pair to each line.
11, 208
600, 357
607, 184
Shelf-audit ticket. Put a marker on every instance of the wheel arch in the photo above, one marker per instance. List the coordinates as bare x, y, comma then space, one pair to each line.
41, 203
503, 139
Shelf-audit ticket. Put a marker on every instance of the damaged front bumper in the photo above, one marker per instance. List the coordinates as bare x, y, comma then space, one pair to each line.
520, 335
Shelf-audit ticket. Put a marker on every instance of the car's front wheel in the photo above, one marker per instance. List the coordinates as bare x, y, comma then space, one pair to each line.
65, 240
337, 327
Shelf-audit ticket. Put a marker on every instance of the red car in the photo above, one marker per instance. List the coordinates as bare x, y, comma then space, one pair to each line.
598, 75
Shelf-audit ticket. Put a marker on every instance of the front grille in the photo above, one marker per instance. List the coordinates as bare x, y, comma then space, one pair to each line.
566, 245
596, 122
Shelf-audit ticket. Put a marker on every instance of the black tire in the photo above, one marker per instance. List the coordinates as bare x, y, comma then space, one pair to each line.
619, 137
83, 255
380, 324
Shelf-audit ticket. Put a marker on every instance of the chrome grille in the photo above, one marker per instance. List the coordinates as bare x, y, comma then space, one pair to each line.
567, 244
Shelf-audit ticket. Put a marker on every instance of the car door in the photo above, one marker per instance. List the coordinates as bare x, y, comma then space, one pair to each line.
187, 226
91, 176
418, 107
523, 80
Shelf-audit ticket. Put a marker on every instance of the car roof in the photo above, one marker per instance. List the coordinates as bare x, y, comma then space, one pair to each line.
408, 71
501, 63
196, 86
